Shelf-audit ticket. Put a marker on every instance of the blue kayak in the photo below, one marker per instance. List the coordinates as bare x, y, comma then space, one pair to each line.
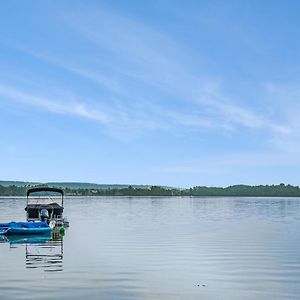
25, 228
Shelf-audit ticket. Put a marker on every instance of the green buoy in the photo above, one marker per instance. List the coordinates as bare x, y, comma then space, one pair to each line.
62, 230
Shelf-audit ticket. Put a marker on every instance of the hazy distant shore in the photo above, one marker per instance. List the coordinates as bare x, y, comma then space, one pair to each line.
19, 188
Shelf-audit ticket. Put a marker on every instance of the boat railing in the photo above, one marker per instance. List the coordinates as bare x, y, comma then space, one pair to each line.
44, 200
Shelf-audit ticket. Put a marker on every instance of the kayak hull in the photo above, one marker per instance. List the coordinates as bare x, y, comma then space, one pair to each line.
29, 230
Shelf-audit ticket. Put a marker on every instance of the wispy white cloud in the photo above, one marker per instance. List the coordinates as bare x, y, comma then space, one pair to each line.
236, 114
136, 77
115, 117
61, 107
154, 83
160, 61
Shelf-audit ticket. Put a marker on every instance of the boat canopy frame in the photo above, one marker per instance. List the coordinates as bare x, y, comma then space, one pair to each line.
46, 189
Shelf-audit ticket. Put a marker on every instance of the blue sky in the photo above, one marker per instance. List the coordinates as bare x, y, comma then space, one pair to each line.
177, 93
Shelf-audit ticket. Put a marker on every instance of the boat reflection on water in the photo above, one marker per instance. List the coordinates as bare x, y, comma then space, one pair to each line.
41, 251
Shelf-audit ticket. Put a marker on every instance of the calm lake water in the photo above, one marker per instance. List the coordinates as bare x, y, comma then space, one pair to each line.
158, 248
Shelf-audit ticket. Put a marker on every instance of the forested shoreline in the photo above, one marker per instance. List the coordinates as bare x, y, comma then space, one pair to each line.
280, 190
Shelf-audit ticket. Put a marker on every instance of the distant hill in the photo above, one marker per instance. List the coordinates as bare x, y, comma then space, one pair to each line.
19, 188
86, 185
18, 183
74, 185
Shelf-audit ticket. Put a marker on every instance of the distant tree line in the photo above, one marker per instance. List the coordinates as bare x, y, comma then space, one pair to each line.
280, 190
129, 191
12, 190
